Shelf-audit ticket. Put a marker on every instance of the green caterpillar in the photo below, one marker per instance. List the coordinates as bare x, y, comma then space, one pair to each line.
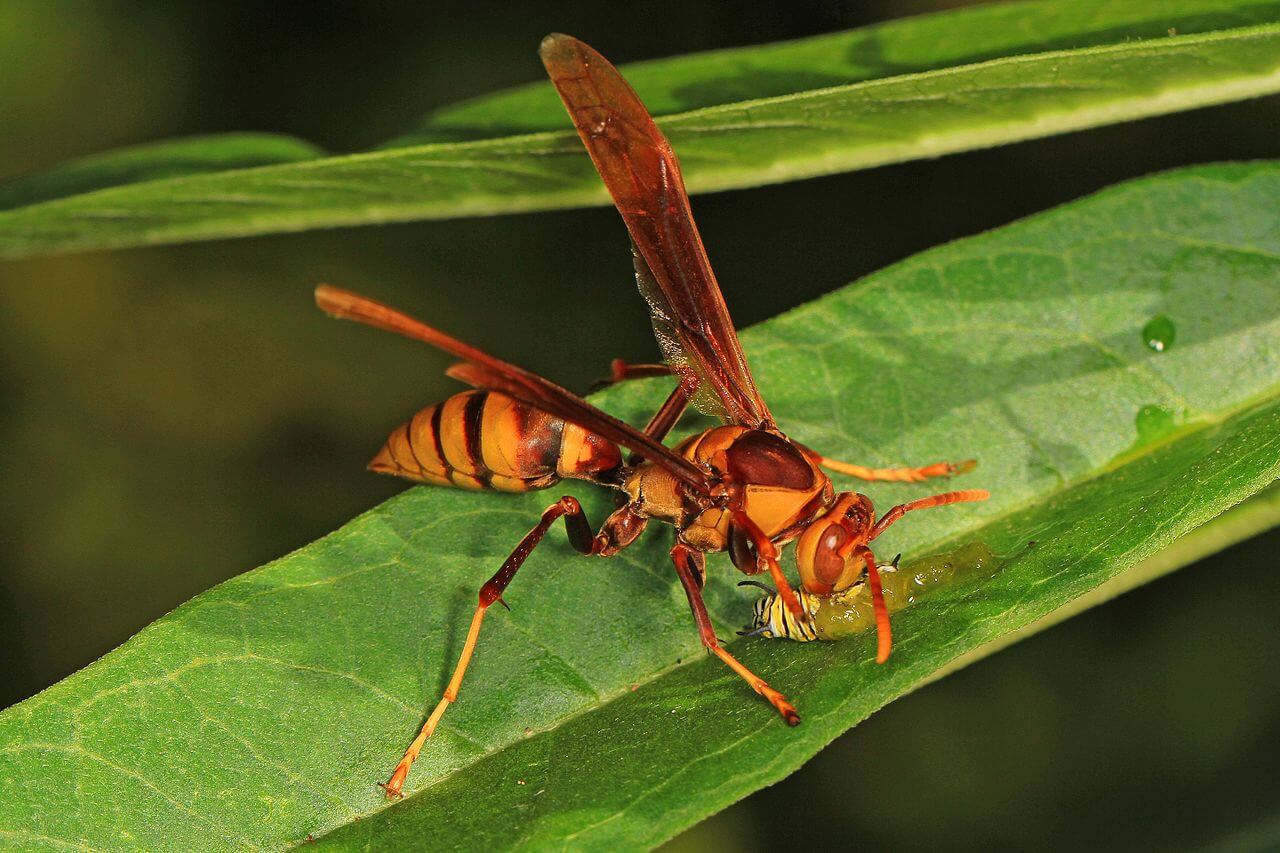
842, 614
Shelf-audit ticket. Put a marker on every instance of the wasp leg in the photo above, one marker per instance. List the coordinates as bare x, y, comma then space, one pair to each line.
901, 475
621, 370
683, 557
671, 410
668, 415
897, 512
698, 562
767, 552
580, 536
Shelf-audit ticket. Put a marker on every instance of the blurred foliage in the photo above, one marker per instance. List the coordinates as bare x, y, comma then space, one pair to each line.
171, 417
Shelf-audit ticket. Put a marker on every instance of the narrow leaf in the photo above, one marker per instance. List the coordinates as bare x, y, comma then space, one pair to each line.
195, 155
734, 144
891, 49
263, 711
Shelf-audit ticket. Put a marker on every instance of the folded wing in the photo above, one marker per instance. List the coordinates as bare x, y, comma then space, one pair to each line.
483, 370
640, 169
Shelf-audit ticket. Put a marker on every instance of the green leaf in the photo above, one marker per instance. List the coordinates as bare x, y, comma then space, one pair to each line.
195, 155
265, 710
892, 49
1129, 70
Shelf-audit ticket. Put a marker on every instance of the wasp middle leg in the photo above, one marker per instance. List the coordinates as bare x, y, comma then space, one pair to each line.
580, 537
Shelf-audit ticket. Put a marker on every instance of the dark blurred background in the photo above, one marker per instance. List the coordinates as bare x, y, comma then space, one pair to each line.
170, 417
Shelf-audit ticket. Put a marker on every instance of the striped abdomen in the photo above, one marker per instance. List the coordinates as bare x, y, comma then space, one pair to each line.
487, 440
771, 618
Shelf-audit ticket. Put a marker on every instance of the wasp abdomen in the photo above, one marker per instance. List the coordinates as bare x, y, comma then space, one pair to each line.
487, 440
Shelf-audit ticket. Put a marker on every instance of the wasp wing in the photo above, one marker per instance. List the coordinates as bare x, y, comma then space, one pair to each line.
640, 169
480, 368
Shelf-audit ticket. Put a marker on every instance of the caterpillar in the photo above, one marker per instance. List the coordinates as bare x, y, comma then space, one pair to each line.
849, 612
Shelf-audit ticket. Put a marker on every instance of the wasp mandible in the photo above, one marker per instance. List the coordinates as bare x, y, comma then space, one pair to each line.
743, 487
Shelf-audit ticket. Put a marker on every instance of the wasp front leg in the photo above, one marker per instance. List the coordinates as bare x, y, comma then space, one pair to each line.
832, 554
767, 553
884, 633
687, 563
580, 537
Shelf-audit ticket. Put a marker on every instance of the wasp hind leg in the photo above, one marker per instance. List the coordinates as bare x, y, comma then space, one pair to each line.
685, 559
621, 370
900, 475
582, 539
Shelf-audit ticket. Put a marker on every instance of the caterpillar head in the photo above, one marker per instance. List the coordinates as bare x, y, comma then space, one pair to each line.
771, 618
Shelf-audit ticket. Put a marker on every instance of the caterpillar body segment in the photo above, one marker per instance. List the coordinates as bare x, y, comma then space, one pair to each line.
771, 618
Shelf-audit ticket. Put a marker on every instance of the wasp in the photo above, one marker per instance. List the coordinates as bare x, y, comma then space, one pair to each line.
741, 487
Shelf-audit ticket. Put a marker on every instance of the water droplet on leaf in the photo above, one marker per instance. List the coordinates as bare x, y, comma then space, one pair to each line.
1159, 333
1153, 423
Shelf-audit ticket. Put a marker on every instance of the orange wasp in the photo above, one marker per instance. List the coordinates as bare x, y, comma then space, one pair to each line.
742, 487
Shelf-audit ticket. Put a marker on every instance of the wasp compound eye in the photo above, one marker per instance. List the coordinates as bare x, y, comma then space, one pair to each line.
822, 568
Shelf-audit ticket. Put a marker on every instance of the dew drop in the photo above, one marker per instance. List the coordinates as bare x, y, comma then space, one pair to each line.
1159, 333
1153, 423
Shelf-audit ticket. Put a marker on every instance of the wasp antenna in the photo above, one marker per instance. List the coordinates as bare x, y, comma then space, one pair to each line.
884, 634
763, 586
897, 512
